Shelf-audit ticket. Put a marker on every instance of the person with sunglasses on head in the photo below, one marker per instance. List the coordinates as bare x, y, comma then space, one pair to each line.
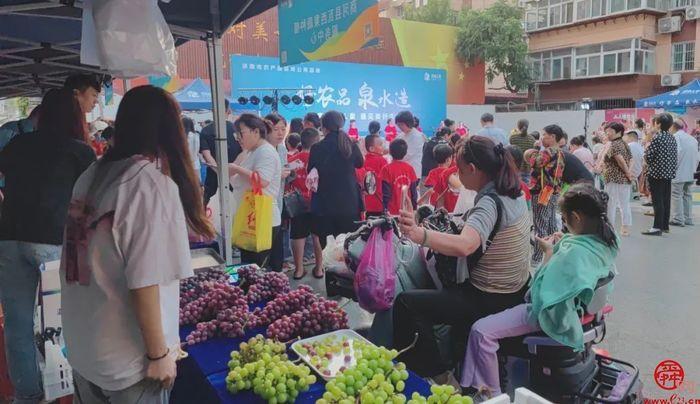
492, 257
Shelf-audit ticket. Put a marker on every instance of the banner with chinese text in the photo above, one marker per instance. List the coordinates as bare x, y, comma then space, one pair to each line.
362, 92
314, 30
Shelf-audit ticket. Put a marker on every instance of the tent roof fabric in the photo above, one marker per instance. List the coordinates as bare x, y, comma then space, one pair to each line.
40, 39
685, 96
194, 96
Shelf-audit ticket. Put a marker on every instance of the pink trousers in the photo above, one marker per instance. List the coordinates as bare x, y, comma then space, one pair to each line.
480, 368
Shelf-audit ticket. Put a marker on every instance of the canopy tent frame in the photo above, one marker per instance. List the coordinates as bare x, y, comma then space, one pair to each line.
16, 82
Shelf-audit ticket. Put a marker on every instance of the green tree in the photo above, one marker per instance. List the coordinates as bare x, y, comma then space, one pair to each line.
435, 12
495, 36
23, 106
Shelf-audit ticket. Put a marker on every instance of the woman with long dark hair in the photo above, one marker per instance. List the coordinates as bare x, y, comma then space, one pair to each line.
40, 169
336, 203
493, 250
126, 250
276, 139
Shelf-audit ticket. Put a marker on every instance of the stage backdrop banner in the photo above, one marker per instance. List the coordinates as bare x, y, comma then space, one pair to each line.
360, 91
313, 30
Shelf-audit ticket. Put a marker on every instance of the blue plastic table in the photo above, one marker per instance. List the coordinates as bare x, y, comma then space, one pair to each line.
201, 377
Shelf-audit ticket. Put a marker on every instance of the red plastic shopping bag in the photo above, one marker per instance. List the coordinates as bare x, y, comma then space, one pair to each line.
375, 279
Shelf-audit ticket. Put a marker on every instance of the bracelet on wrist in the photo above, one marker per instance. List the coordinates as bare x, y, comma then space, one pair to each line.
167, 351
424, 243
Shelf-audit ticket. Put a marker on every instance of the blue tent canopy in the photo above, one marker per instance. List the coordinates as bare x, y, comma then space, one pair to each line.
686, 96
196, 95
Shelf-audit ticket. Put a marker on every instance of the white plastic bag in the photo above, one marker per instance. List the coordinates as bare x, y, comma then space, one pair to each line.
127, 37
335, 250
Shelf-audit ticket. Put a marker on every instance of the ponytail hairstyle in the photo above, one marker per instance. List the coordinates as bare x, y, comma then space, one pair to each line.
494, 160
523, 125
579, 141
148, 123
333, 122
593, 204
254, 122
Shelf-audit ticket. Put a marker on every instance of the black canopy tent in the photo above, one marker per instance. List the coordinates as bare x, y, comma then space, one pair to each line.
40, 47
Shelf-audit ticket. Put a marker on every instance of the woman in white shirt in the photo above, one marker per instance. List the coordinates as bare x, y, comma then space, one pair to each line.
124, 254
193, 143
262, 158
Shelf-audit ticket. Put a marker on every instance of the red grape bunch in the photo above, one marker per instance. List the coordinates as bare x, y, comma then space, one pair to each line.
213, 298
191, 288
322, 316
261, 285
229, 323
285, 304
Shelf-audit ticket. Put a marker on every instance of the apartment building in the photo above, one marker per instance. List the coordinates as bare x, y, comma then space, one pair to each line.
611, 51
396, 8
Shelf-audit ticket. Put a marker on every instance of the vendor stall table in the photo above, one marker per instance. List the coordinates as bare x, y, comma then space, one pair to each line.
201, 377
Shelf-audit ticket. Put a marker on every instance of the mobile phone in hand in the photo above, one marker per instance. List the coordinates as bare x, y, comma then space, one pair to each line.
405, 199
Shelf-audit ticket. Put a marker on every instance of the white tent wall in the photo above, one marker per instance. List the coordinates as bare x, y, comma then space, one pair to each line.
571, 121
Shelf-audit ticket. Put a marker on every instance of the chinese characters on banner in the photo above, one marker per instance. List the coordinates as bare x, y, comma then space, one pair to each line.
314, 30
360, 91
627, 116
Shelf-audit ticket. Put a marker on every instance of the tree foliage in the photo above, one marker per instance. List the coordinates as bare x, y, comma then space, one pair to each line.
495, 36
435, 12
23, 106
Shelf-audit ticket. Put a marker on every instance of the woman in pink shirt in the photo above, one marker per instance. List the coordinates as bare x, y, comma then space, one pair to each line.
578, 148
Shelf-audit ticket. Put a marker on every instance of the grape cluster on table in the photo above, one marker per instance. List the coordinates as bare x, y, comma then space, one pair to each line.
262, 365
218, 309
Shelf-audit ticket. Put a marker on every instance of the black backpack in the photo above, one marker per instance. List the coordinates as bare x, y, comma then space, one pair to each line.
446, 266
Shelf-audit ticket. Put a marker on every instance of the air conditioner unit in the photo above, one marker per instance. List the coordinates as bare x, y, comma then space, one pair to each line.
670, 24
669, 80
692, 13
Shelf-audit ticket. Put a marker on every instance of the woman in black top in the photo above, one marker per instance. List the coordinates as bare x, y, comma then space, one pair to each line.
336, 204
40, 169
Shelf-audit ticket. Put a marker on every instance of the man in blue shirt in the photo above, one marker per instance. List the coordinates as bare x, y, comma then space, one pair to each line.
491, 131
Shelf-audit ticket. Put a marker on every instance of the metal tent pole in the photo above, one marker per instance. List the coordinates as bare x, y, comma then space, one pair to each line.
216, 75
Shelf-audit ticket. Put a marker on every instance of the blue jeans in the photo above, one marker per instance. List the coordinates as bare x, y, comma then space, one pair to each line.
19, 280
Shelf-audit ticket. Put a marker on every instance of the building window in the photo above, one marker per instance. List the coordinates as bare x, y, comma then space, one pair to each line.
608, 59
683, 57
551, 13
681, 4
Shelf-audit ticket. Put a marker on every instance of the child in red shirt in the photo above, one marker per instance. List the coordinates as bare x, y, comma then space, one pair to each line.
300, 227
390, 131
371, 180
353, 133
443, 157
447, 190
395, 176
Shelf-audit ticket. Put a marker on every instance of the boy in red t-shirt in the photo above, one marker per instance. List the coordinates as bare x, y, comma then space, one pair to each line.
447, 189
300, 227
443, 157
371, 180
395, 176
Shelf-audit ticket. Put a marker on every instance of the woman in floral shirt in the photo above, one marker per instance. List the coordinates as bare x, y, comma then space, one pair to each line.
546, 183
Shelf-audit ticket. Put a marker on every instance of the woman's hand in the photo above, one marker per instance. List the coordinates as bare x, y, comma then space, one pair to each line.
408, 226
163, 370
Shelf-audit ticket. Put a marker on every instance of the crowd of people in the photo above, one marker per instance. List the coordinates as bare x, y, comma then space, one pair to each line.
119, 201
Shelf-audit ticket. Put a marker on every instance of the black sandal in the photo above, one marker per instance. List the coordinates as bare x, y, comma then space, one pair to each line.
315, 274
303, 274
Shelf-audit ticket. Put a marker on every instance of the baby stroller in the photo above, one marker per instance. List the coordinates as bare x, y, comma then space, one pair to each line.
411, 272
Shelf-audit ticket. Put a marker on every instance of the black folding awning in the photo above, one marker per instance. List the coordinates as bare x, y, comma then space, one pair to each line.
40, 40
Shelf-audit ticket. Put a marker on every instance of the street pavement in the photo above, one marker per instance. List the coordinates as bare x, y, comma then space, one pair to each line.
656, 301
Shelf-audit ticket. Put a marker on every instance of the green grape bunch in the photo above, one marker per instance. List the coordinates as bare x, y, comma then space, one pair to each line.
261, 365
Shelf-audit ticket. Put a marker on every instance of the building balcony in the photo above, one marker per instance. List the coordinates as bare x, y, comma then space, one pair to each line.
545, 15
